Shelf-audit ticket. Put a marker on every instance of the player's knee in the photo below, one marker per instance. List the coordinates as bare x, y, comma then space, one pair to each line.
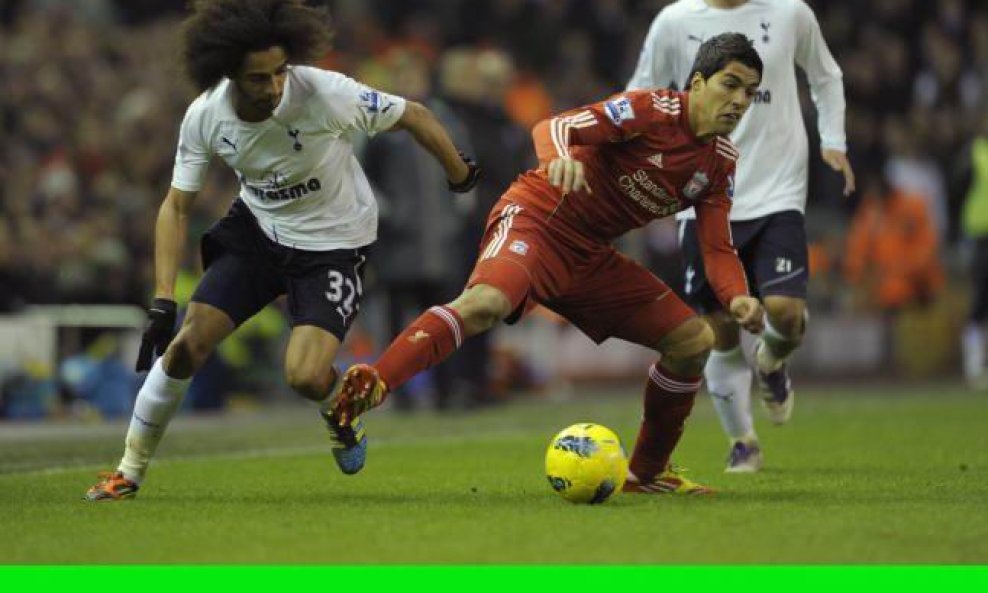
481, 307
725, 329
686, 349
187, 353
787, 316
309, 383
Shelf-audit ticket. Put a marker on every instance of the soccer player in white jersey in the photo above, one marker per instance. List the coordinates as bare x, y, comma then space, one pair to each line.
770, 194
300, 226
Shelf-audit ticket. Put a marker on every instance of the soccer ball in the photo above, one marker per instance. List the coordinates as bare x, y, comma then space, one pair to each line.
585, 463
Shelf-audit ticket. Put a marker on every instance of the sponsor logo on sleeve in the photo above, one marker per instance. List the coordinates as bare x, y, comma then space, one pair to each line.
619, 110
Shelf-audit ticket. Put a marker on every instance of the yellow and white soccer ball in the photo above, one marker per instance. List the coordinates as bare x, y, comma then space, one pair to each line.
585, 463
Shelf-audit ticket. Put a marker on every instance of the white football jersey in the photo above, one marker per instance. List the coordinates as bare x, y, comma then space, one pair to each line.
772, 170
297, 170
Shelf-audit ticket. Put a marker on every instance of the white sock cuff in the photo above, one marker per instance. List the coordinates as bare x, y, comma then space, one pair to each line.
159, 381
733, 356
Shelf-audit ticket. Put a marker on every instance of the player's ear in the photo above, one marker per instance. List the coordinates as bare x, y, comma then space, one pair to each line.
697, 82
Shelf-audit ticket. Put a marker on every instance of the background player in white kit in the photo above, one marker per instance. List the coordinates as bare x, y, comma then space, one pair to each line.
300, 226
770, 194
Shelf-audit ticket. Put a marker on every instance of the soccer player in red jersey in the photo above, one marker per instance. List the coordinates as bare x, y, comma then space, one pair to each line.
605, 169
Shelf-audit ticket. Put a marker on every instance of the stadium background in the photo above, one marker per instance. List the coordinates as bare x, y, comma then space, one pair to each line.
93, 93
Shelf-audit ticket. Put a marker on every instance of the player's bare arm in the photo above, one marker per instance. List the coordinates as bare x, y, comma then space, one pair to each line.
422, 124
171, 228
169, 240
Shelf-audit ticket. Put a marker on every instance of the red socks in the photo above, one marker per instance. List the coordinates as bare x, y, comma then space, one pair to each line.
668, 402
431, 338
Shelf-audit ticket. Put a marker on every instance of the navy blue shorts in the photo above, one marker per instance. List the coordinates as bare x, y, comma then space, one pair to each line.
772, 250
245, 271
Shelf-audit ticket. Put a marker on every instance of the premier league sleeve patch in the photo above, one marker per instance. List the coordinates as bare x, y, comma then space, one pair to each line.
619, 110
370, 101
374, 102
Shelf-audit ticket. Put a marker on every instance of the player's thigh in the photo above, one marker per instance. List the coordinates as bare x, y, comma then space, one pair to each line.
238, 286
325, 289
619, 298
515, 258
309, 360
780, 256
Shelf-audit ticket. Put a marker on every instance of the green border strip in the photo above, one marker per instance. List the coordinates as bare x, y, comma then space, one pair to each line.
548, 579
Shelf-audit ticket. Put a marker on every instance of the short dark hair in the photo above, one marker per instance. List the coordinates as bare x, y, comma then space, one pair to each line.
717, 52
220, 33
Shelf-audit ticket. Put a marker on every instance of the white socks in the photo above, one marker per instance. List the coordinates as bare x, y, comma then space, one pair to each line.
973, 347
729, 384
157, 402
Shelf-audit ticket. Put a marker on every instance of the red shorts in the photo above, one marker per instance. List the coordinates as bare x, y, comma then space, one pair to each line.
534, 258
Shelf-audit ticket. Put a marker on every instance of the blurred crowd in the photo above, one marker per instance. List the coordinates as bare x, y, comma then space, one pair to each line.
93, 93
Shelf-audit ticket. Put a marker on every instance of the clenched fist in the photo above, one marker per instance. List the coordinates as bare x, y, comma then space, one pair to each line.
748, 312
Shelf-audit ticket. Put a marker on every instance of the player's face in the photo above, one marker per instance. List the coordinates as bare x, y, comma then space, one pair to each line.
725, 96
261, 81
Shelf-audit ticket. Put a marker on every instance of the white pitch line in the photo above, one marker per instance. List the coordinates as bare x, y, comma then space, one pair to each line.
274, 452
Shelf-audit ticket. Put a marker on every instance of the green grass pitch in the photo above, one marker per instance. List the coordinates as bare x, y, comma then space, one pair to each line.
860, 475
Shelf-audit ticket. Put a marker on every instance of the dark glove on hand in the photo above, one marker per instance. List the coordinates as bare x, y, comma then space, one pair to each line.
158, 333
473, 174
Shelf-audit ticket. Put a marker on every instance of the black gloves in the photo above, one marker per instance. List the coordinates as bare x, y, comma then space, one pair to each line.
158, 333
473, 174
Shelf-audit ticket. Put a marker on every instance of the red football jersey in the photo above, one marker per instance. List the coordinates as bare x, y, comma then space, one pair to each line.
642, 163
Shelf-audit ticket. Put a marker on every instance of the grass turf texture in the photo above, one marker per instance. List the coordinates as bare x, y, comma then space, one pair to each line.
859, 476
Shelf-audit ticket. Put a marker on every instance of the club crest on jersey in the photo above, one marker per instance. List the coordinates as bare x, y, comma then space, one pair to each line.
619, 110
277, 179
519, 247
697, 184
